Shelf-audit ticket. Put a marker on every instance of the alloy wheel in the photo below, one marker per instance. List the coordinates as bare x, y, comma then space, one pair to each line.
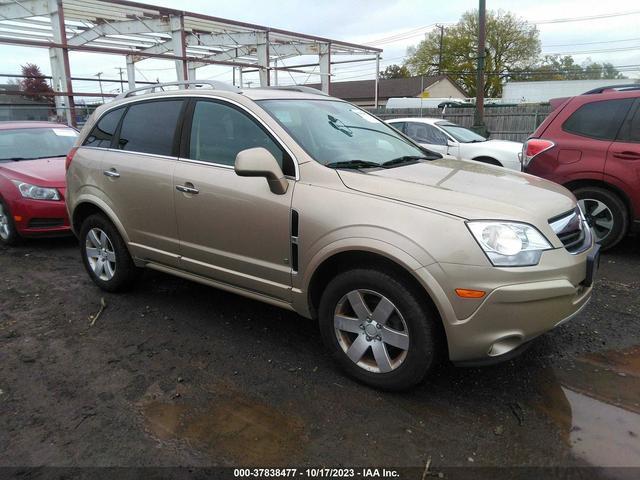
4, 223
100, 254
371, 331
599, 217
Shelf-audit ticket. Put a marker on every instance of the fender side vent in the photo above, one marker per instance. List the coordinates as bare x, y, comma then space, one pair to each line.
294, 240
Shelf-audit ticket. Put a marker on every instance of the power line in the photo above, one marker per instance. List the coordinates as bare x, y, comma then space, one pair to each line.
583, 19
590, 43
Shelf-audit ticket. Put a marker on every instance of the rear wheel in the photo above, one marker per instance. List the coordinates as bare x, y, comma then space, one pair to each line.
8, 233
105, 254
605, 212
378, 329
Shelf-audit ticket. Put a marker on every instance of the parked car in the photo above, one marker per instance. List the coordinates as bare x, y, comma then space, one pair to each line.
446, 137
591, 144
309, 203
32, 179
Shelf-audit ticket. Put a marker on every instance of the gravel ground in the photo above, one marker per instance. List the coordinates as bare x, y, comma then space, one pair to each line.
177, 374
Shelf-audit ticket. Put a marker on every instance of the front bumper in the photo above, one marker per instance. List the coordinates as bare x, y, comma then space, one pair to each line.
40, 217
520, 304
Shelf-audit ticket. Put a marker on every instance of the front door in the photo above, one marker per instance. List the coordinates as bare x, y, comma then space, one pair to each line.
232, 229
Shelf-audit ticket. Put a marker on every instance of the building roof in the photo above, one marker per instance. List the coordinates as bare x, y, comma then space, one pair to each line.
387, 88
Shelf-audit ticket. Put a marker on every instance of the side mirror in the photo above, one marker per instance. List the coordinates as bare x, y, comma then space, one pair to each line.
259, 162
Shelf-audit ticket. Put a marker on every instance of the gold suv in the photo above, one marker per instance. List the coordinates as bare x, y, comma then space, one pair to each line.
307, 202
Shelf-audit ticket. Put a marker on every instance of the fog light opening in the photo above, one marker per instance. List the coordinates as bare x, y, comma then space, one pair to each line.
505, 345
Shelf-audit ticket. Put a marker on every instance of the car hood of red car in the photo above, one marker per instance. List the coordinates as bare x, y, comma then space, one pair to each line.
43, 172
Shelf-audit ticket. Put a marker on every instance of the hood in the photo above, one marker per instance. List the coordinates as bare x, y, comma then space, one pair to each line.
43, 172
466, 189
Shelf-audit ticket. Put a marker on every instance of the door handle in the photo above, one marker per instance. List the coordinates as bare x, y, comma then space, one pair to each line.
188, 188
112, 172
627, 155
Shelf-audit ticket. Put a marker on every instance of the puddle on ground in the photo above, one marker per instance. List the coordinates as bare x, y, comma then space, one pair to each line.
231, 426
596, 404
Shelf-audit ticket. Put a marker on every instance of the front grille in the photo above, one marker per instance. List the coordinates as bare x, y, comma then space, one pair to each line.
572, 231
46, 222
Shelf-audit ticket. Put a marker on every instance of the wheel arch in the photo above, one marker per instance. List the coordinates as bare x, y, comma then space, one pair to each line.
581, 183
353, 258
89, 206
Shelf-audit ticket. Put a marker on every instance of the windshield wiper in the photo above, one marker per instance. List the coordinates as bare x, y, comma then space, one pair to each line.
16, 159
407, 159
353, 164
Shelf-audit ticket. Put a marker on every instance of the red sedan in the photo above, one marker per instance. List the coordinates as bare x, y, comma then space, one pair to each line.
32, 179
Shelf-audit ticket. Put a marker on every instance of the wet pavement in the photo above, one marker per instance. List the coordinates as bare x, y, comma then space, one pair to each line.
178, 374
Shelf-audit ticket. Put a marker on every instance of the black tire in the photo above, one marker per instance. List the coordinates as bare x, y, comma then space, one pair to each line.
426, 339
13, 237
125, 271
488, 161
618, 210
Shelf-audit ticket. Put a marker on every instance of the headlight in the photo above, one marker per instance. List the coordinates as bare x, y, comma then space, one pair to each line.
37, 193
509, 244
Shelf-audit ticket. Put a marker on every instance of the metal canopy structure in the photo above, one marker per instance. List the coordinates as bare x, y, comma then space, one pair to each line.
139, 31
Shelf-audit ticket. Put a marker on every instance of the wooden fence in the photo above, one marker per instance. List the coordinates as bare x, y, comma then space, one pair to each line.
506, 123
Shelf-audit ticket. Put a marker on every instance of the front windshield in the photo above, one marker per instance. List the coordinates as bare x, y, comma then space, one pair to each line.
461, 134
338, 134
32, 143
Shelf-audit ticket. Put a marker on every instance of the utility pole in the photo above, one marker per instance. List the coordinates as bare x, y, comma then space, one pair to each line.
478, 119
120, 69
99, 74
441, 27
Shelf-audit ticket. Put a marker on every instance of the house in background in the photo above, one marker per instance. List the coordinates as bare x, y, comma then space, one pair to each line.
15, 107
362, 92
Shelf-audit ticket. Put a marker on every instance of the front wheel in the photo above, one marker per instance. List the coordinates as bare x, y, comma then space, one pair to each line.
8, 233
105, 254
606, 213
379, 329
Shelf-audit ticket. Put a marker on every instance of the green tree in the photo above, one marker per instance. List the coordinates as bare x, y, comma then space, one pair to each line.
511, 44
555, 67
395, 71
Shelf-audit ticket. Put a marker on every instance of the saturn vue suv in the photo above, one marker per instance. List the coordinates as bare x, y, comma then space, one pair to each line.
293, 198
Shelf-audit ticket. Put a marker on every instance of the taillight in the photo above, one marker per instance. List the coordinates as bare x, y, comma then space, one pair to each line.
67, 162
534, 147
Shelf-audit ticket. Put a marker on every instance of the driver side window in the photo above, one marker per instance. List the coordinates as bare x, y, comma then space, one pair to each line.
219, 132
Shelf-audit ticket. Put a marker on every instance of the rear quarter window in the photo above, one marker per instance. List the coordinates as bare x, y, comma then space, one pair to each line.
102, 134
600, 120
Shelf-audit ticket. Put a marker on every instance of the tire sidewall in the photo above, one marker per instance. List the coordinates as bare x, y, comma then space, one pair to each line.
124, 264
424, 345
14, 237
618, 210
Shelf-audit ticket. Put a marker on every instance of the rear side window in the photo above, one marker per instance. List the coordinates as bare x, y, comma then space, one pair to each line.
102, 134
600, 120
150, 127
399, 126
423, 133
631, 130
219, 132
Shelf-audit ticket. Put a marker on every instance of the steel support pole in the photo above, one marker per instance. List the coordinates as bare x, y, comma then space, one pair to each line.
61, 59
325, 67
263, 58
179, 46
375, 103
131, 72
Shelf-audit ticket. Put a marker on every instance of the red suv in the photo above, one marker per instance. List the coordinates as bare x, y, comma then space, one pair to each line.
591, 144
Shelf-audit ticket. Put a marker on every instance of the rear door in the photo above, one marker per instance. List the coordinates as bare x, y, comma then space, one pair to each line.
138, 172
623, 158
232, 229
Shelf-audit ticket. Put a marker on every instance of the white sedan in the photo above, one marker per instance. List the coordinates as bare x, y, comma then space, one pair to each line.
448, 138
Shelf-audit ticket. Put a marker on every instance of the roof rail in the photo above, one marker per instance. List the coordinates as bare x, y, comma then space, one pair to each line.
298, 88
622, 87
214, 84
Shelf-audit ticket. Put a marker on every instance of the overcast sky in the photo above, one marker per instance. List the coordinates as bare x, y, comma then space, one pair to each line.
615, 39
